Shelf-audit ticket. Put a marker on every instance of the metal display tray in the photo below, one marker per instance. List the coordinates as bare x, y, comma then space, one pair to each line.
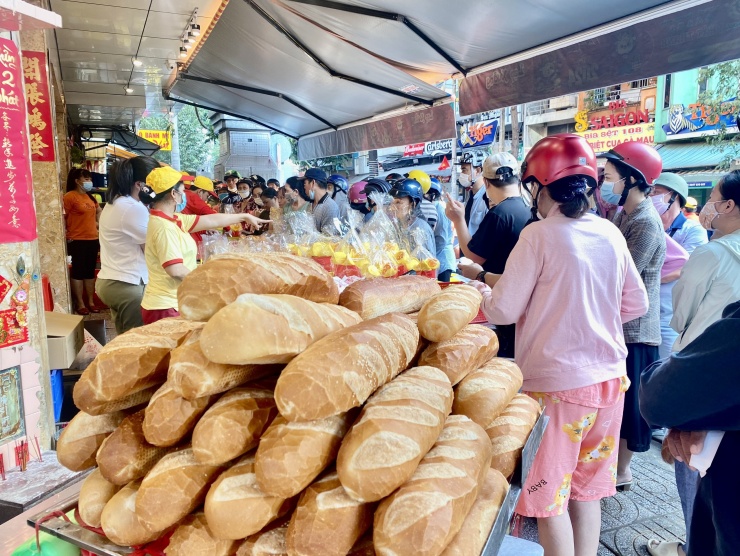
97, 544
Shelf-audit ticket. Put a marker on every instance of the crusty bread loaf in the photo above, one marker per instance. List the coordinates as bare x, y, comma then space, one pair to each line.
121, 523
268, 542
95, 493
193, 375
466, 351
327, 520
342, 370
509, 432
380, 296
363, 547
173, 488
448, 312
397, 427
426, 513
278, 328
235, 505
477, 526
292, 454
485, 393
130, 402
223, 278
131, 362
234, 425
126, 455
81, 438
193, 537
169, 417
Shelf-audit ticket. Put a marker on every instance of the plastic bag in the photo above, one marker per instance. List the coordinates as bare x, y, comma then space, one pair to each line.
422, 261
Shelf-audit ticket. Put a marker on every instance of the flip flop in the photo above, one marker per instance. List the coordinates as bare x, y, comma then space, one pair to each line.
623, 487
83, 311
664, 548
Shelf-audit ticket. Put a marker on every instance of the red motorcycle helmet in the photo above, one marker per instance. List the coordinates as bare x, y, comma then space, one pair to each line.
357, 193
559, 156
642, 158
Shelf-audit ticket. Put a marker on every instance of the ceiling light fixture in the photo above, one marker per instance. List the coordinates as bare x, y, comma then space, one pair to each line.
137, 63
128, 90
191, 37
188, 46
183, 52
195, 29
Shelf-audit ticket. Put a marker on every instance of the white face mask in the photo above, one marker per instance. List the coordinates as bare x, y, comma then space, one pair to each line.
465, 180
258, 202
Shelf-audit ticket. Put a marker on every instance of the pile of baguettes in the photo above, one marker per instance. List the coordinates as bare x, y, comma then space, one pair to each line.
278, 417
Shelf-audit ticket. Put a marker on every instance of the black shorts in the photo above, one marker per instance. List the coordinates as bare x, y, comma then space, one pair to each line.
84, 253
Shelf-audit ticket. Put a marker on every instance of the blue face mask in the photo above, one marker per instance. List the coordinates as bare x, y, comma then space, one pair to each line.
179, 207
608, 195
311, 195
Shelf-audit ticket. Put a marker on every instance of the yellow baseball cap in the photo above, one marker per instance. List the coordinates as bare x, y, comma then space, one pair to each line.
204, 183
691, 203
162, 179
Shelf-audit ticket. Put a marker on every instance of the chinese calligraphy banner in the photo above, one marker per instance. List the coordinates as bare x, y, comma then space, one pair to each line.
38, 103
17, 213
161, 138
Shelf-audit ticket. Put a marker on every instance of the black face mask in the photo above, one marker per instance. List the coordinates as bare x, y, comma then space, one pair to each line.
361, 207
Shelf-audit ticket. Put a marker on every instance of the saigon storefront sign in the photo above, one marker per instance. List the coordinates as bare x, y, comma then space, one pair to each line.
602, 140
38, 105
17, 212
158, 137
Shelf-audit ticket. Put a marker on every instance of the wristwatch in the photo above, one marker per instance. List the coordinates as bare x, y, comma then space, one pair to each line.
481, 277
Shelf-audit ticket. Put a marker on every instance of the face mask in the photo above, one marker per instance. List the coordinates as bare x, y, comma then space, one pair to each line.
244, 193
311, 195
87, 185
179, 207
659, 203
464, 180
258, 202
608, 195
708, 214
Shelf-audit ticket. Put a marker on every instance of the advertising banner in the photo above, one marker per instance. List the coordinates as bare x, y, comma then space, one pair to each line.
602, 140
158, 137
38, 105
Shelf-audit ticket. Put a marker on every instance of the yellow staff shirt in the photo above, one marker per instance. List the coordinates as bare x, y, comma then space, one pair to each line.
168, 242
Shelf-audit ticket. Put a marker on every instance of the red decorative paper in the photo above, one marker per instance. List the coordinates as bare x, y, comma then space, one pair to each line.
5, 286
17, 213
11, 333
38, 104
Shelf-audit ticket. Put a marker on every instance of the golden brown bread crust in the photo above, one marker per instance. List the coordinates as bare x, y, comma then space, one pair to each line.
169, 417
343, 369
380, 296
509, 432
279, 327
448, 312
466, 351
121, 523
268, 542
193, 537
95, 493
397, 427
223, 278
485, 393
127, 403
81, 438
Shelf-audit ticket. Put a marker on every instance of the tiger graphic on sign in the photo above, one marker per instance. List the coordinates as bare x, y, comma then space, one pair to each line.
678, 121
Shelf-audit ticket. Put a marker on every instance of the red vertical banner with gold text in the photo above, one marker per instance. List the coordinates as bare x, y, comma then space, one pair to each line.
40, 130
17, 213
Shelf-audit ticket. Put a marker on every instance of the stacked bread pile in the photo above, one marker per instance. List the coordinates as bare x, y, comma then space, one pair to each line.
278, 417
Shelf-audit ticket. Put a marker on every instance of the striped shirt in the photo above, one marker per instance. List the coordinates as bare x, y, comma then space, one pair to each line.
643, 230
324, 214
430, 213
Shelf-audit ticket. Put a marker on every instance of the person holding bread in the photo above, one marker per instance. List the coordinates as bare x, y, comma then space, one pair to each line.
170, 251
569, 285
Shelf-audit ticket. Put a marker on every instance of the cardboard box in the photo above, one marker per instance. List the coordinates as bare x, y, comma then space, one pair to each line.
65, 335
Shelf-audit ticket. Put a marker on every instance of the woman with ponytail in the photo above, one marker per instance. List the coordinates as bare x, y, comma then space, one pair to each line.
123, 226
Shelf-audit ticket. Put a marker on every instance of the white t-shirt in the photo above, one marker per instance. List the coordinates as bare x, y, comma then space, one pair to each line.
123, 225
478, 211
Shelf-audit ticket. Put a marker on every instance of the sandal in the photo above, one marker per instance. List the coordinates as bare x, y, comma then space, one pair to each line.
664, 548
624, 487
94, 309
83, 311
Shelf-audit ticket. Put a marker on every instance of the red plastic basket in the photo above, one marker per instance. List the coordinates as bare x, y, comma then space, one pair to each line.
324, 262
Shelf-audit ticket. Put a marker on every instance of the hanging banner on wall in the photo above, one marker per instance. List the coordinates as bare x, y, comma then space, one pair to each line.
477, 134
602, 140
17, 213
158, 137
38, 104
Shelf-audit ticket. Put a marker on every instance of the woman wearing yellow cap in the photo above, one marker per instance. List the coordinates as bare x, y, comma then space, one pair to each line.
170, 250
195, 196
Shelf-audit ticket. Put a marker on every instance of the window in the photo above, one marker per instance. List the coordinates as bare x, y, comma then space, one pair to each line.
641, 84
702, 82
667, 92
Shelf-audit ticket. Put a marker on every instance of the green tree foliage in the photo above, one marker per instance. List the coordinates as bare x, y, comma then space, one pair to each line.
722, 96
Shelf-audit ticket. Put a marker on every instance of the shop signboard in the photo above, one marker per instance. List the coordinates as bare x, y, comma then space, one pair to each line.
158, 137
17, 212
416, 149
700, 184
477, 134
428, 149
698, 120
38, 105
604, 139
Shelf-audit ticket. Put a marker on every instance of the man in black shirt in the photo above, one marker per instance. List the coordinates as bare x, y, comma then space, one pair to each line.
496, 236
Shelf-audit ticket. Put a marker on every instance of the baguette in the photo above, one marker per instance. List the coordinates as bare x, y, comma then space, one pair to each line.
234, 425
342, 370
279, 327
509, 432
363, 547
193, 537
466, 351
268, 542
134, 400
134, 361
169, 417
193, 376
426, 513
236, 507
292, 454
477, 526
327, 520
81, 438
126, 455
397, 427
448, 312
380, 296
173, 488
95, 493
121, 524
223, 278
485, 393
